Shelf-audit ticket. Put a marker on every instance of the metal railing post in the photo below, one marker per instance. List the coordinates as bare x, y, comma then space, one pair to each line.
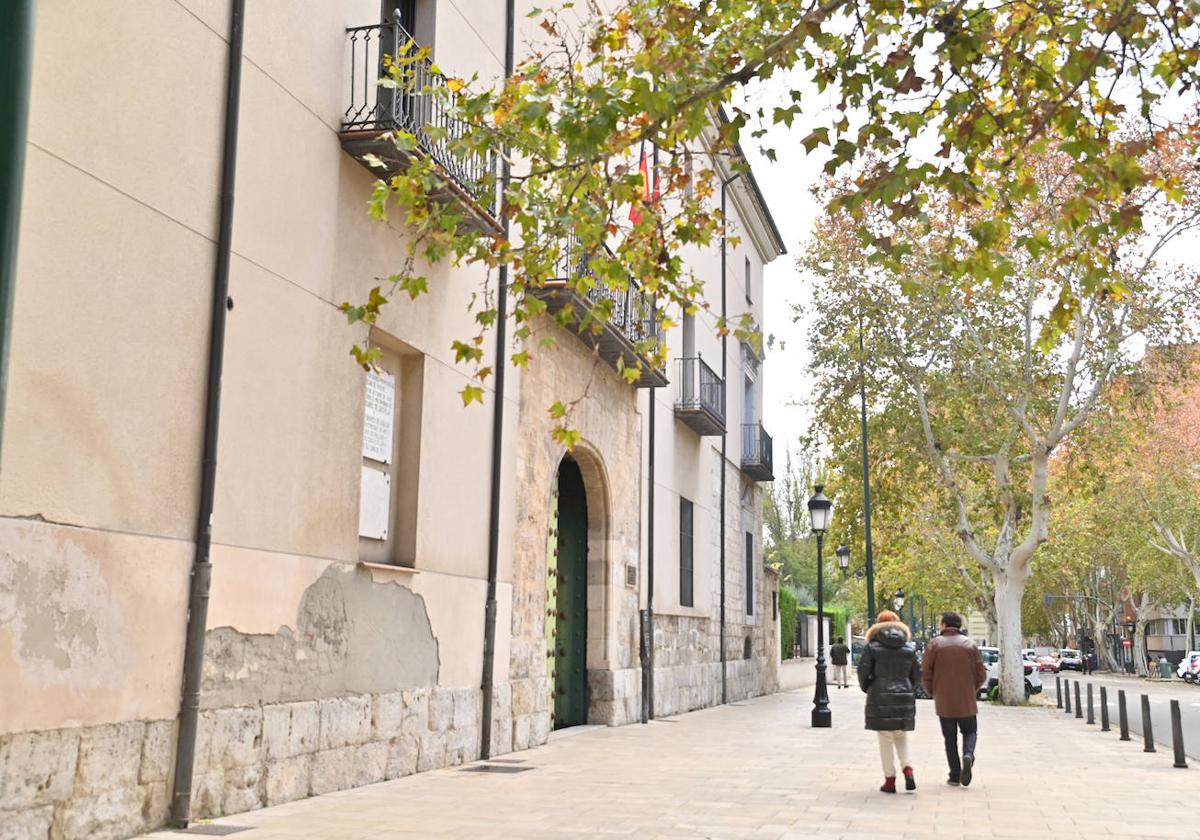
1078, 705
1067, 701
1122, 714
1058, 692
1147, 726
1091, 718
1104, 727
1177, 736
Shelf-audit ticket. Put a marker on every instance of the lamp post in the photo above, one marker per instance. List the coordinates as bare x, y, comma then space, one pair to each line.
820, 509
898, 601
866, 473
843, 556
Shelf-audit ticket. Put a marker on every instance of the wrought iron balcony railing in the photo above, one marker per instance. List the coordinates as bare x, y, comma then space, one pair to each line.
757, 458
631, 320
701, 400
374, 112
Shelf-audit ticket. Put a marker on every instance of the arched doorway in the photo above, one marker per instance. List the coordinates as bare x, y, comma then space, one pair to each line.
567, 602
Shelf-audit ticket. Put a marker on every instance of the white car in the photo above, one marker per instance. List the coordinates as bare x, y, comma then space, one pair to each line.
991, 661
1189, 667
1070, 659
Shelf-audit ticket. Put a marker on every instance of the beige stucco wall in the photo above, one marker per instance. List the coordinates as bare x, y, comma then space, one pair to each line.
90, 627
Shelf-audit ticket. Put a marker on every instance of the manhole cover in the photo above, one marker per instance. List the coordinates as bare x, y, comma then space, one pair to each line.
215, 830
495, 768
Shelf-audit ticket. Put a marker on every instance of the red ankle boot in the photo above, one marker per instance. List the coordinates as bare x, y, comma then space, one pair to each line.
910, 782
889, 785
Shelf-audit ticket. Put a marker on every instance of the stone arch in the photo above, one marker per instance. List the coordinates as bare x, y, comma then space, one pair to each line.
601, 595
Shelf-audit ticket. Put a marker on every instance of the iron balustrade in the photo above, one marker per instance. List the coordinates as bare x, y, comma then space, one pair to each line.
700, 387
422, 107
757, 457
632, 310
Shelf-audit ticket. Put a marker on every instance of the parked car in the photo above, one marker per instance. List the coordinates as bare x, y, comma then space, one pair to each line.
1070, 659
1189, 667
991, 662
1047, 662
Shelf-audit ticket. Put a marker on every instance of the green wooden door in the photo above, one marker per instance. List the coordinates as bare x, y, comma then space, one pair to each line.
568, 599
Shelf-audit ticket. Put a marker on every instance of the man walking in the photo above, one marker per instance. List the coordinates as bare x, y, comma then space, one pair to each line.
839, 657
952, 674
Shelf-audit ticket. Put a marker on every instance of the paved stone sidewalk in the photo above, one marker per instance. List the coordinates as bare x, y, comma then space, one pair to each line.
756, 770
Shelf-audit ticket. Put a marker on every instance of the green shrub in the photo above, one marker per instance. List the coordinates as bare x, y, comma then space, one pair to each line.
787, 622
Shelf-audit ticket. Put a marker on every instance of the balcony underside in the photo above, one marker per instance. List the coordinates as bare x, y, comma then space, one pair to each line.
698, 418
610, 343
376, 142
757, 471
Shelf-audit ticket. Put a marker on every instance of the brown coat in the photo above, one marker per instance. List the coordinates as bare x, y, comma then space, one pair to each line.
952, 674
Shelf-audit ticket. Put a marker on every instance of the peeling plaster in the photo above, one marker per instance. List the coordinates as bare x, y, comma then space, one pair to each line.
352, 635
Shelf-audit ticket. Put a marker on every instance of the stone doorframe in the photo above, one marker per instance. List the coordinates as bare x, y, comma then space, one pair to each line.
601, 615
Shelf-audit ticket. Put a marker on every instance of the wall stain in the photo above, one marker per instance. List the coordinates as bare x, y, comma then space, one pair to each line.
352, 635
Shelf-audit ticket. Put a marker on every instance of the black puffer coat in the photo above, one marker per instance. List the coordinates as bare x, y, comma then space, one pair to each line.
889, 673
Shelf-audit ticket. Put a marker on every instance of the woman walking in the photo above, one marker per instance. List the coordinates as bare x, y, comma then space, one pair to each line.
888, 672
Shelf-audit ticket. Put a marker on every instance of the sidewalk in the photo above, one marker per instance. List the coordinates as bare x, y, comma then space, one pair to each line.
755, 769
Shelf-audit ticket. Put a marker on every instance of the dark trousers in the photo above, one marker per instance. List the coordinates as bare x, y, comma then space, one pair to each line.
969, 726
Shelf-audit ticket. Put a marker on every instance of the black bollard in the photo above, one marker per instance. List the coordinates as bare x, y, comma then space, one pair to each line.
1058, 692
1122, 714
1067, 686
1104, 709
1147, 726
1078, 705
1177, 736
1091, 708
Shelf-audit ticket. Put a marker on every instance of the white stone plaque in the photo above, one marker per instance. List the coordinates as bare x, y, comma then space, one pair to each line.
374, 504
379, 414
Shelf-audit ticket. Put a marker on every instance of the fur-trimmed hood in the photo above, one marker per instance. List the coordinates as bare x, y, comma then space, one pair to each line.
889, 633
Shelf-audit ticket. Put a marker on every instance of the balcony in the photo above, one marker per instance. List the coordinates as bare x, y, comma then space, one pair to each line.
701, 400
631, 317
375, 113
757, 460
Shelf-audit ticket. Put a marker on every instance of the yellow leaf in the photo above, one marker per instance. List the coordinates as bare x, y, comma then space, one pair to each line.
455, 85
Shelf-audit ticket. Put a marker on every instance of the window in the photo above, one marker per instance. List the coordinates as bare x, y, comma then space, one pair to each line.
686, 573
391, 441
749, 297
1166, 627
749, 573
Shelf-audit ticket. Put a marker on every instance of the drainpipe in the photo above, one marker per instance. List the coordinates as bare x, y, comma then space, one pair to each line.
725, 435
193, 654
487, 685
16, 62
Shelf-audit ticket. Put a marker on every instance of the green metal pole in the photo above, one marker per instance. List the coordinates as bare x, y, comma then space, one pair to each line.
866, 474
16, 61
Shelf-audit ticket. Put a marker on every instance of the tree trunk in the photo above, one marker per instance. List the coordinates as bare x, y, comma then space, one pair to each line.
1103, 648
1139, 648
1010, 589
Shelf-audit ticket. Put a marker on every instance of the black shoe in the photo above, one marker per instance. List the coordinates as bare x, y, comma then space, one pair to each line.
953, 782
968, 760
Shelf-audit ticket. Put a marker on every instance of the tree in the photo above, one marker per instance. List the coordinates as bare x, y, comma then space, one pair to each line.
992, 387
949, 102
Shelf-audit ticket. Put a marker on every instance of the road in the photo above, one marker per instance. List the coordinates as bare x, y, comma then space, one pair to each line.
1160, 695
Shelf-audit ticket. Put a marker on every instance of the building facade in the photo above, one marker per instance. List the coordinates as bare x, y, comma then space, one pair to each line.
344, 641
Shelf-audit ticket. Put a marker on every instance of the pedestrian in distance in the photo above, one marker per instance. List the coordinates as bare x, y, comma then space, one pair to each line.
888, 672
839, 657
953, 672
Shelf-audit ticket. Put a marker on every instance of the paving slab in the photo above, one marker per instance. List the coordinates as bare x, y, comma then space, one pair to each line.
758, 770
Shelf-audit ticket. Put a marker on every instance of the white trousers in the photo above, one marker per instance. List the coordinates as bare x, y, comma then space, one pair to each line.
894, 740
840, 676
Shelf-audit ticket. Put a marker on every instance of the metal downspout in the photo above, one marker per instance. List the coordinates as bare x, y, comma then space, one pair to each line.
193, 656
487, 684
16, 67
724, 435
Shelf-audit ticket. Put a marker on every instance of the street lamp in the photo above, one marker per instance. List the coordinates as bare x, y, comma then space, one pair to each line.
898, 600
843, 556
820, 510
